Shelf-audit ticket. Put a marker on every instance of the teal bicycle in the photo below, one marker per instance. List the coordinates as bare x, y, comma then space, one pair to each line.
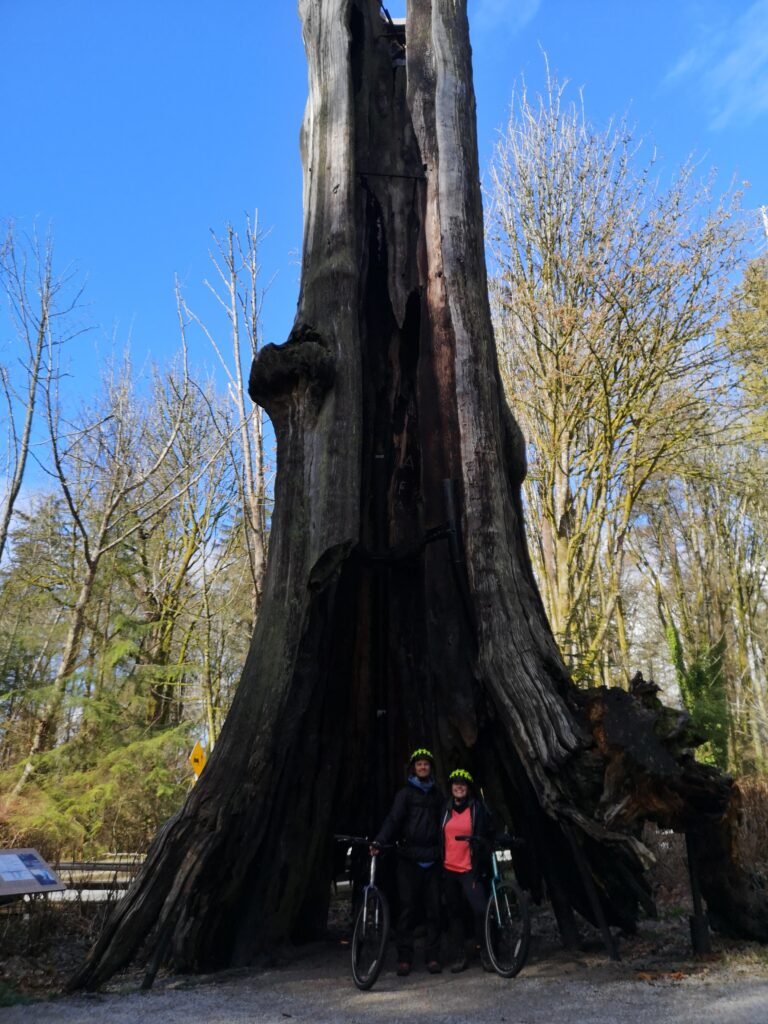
507, 918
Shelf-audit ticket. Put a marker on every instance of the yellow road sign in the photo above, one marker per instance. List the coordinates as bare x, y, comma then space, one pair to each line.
197, 759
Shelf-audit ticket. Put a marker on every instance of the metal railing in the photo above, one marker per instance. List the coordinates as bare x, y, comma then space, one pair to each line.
99, 874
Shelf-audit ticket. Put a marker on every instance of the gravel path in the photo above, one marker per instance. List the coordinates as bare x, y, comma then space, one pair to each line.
317, 989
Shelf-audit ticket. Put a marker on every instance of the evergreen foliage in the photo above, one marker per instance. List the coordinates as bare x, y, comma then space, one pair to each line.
702, 686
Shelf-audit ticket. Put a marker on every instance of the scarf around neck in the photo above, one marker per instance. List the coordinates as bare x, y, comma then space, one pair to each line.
423, 784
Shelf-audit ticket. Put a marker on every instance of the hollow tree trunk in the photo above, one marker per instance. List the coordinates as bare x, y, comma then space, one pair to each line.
399, 605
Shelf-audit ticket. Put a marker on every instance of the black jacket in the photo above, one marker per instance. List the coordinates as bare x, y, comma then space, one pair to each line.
414, 820
482, 825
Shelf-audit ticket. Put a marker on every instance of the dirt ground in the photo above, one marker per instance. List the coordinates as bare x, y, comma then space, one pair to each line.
656, 980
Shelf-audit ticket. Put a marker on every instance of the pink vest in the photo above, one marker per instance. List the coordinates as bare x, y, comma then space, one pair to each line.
457, 853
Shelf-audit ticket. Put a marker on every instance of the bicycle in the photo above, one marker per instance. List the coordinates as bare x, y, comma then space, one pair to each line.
369, 937
507, 919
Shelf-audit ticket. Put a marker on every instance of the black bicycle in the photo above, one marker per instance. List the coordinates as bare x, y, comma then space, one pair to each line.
507, 919
369, 938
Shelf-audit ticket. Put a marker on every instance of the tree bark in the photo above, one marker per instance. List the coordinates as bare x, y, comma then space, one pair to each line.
399, 606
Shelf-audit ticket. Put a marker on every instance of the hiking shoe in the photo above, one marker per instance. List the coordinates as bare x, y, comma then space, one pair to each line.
459, 965
403, 969
434, 967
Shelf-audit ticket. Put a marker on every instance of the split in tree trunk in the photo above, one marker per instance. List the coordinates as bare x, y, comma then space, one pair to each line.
399, 606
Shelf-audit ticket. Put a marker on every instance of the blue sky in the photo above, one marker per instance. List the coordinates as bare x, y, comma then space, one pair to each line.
134, 128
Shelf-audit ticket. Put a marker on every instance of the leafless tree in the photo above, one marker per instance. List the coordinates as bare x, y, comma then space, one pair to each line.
240, 295
102, 464
607, 292
40, 311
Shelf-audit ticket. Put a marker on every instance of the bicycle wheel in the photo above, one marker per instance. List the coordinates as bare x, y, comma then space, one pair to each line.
507, 929
369, 939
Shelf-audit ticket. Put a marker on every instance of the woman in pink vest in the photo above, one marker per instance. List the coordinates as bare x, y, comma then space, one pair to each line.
465, 866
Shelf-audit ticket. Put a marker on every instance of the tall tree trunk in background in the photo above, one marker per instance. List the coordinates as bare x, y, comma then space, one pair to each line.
399, 605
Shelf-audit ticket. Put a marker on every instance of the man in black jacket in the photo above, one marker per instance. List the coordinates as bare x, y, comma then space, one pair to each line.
414, 821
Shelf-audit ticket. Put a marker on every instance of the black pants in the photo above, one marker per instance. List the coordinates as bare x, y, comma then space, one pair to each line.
418, 887
461, 889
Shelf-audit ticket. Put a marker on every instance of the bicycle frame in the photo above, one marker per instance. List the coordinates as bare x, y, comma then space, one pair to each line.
367, 889
371, 929
505, 965
495, 877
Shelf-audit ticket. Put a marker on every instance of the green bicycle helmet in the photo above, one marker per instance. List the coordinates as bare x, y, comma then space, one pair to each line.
460, 775
422, 752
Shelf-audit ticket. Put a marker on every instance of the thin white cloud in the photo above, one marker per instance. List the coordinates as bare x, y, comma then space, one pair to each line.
729, 64
495, 14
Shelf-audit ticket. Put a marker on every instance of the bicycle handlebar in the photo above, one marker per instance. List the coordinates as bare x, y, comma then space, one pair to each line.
361, 841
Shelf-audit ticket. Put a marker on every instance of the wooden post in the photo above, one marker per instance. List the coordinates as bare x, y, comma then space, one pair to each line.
700, 937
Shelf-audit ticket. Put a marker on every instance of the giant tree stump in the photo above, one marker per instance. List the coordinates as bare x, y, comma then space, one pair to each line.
400, 607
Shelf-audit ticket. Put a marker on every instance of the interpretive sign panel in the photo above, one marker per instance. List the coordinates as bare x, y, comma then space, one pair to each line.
25, 871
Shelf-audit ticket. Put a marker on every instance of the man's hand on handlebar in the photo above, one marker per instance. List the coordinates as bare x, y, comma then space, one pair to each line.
374, 849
